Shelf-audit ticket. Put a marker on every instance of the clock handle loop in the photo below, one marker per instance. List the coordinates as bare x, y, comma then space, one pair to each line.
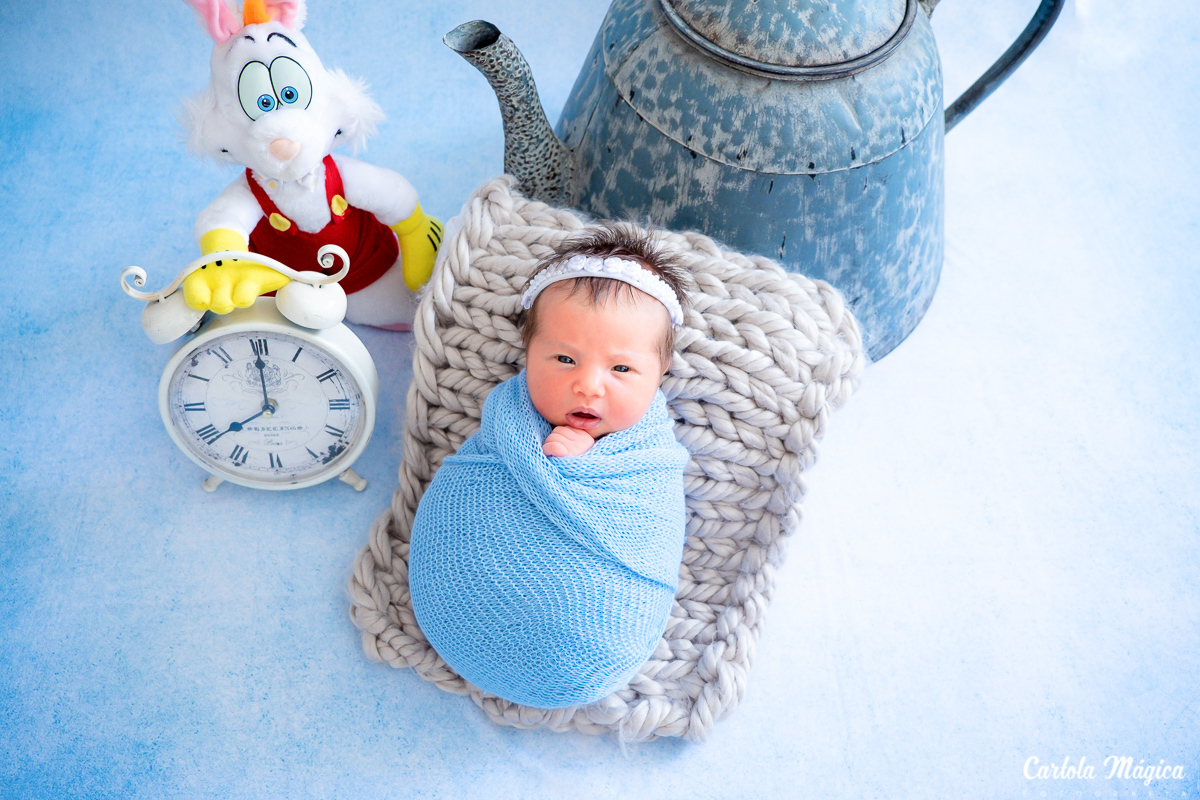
139, 280
325, 257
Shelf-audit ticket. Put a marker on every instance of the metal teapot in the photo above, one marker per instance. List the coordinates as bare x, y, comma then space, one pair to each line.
809, 131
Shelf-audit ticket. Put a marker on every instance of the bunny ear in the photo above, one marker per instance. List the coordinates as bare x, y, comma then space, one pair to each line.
217, 17
289, 13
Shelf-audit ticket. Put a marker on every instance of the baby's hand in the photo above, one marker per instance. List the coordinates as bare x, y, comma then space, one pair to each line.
567, 441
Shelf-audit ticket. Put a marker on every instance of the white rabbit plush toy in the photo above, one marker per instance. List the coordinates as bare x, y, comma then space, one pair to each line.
274, 109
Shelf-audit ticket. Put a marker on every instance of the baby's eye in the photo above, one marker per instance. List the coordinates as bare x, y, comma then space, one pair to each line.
620, 368
564, 360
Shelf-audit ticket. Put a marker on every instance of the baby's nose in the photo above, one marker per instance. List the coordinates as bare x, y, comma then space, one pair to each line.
590, 383
285, 149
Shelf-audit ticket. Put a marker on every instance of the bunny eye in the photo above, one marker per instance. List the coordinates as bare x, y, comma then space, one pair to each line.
255, 91
291, 82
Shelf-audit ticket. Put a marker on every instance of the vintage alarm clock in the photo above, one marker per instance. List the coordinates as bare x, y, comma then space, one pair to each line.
279, 395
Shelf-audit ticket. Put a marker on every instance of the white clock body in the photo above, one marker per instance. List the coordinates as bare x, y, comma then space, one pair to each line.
259, 401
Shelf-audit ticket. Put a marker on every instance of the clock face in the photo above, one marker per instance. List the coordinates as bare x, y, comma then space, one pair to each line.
265, 408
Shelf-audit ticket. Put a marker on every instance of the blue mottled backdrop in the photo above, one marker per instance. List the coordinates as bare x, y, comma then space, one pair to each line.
1000, 559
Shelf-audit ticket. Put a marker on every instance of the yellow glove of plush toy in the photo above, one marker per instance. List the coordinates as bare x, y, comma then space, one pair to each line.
420, 236
223, 286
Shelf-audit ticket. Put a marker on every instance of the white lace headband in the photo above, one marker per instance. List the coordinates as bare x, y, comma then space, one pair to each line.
618, 269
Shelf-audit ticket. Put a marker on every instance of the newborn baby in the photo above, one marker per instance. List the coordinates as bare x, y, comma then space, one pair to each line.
545, 553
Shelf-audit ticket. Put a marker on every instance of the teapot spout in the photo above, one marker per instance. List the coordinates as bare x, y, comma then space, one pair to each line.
533, 154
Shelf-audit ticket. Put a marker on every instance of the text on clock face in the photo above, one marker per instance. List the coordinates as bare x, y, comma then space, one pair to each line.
269, 405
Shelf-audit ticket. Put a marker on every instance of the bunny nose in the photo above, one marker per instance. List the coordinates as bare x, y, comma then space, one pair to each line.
285, 149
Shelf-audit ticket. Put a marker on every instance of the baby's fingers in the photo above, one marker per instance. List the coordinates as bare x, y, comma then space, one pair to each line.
567, 441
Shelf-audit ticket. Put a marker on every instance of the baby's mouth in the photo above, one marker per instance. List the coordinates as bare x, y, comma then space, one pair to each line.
583, 418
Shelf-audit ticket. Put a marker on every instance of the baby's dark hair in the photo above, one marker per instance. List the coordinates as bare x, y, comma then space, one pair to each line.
623, 240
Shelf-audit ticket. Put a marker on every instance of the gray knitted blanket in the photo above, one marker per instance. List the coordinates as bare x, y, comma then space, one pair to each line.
762, 359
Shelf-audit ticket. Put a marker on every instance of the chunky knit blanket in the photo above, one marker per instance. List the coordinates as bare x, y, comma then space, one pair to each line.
548, 581
762, 360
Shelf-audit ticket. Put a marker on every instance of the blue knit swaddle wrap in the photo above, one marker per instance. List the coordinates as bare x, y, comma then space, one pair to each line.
548, 581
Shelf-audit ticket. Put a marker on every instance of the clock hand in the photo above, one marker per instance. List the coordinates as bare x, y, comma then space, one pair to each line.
237, 426
267, 405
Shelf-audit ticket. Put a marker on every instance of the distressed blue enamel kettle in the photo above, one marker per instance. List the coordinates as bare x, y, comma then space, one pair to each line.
809, 131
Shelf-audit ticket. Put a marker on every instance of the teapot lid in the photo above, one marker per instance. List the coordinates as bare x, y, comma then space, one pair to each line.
797, 38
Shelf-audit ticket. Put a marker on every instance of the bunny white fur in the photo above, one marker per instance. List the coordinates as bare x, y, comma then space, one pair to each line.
219, 127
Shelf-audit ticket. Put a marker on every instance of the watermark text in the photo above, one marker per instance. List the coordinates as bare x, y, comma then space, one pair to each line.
1120, 768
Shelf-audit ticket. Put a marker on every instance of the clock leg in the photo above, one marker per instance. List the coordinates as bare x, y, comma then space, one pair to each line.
351, 477
212, 482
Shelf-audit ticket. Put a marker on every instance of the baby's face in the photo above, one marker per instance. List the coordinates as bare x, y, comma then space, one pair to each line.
595, 368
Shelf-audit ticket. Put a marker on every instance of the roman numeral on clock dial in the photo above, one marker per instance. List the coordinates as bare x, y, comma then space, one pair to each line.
209, 434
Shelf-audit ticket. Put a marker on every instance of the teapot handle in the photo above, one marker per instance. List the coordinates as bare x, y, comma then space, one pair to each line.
1030, 38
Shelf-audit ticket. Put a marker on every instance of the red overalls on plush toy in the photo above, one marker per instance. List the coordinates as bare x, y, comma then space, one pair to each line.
371, 245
